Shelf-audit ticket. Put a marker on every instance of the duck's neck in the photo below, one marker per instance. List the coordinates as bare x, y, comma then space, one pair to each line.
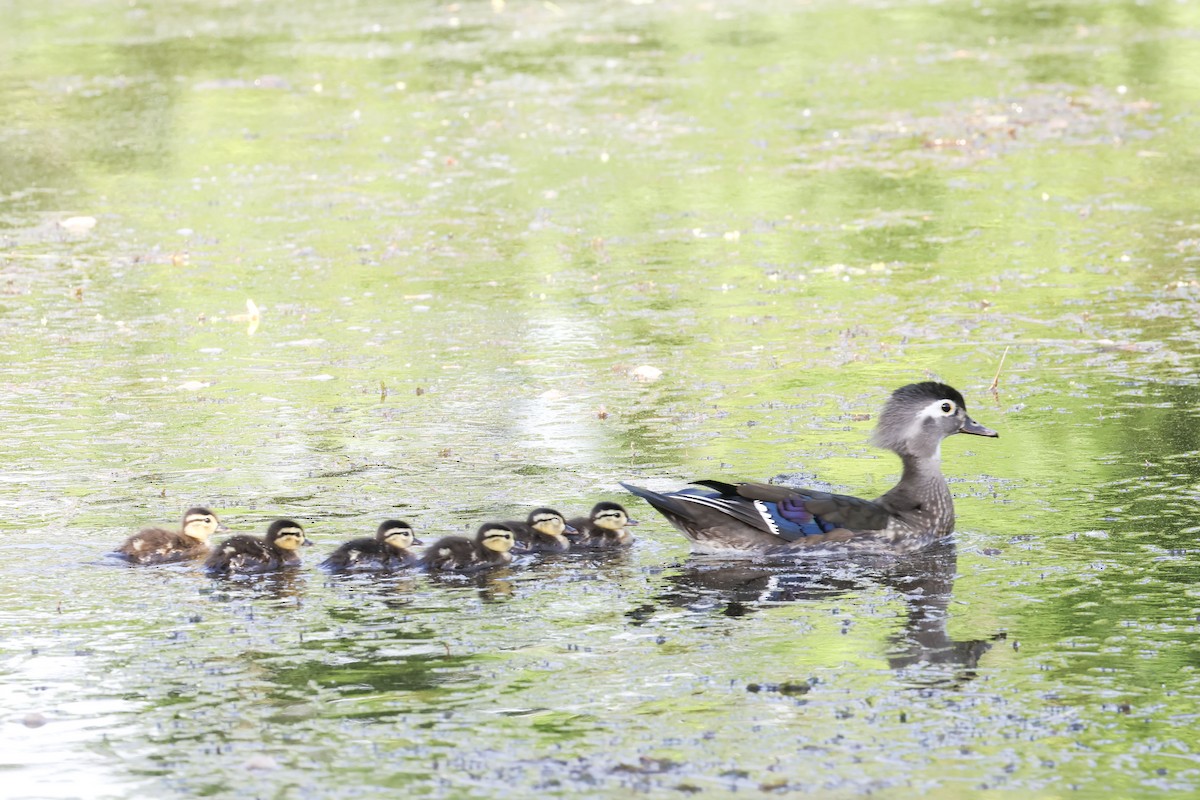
921, 498
921, 469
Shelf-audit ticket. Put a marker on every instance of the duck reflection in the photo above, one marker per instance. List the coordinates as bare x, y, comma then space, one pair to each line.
491, 585
286, 584
925, 580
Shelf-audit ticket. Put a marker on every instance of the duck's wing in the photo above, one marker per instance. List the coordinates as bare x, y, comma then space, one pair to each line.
762, 516
828, 510
724, 520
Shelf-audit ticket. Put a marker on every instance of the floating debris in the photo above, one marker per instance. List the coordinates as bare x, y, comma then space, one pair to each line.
646, 373
77, 224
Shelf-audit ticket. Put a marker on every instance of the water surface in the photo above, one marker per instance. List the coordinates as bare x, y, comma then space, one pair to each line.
464, 228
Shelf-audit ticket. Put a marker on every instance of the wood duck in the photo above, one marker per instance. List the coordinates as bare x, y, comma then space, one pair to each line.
162, 546
769, 519
386, 552
249, 555
607, 526
491, 547
543, 531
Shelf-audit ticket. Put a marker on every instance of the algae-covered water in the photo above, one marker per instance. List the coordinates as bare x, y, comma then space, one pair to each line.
343, 261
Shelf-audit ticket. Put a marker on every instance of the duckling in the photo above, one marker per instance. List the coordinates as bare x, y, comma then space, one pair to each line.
386, 552
490, 548
162, 546
761, 518
607, 526
247, 555
543, 531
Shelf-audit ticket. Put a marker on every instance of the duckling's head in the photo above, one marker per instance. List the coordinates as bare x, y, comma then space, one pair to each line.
917, 417
495, 536
396, 533
611, 516
549, 522
199, 523
287, 535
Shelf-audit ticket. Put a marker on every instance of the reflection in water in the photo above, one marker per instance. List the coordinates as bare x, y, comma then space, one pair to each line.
287, 584
925, 580
491, 584
393, 590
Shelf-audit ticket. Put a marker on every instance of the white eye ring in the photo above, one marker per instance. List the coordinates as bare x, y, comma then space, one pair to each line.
947, 407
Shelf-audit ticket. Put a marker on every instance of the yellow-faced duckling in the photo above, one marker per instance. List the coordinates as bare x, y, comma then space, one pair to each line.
387, 552
607, 526
491, 547
543, 531
248, 555
161, 546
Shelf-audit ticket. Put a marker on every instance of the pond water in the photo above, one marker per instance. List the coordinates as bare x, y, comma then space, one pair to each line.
343, 261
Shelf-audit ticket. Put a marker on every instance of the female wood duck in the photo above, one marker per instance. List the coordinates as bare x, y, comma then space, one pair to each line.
386, 552
491, 547
249, 555
607, 526
162, 546
764, 518
543, 531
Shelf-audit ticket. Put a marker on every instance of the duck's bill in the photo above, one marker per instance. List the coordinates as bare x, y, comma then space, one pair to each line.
971, 426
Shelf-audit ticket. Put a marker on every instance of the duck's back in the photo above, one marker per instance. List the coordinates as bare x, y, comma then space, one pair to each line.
367, 555
452, 554
160, 546
542, 543
244, 554
583, 532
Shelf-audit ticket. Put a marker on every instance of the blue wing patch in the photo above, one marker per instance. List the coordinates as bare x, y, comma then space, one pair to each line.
791, 520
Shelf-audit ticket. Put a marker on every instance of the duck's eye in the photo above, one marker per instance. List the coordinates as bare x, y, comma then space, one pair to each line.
947, 407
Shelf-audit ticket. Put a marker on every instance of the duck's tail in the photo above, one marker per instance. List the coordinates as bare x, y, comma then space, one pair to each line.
678, 513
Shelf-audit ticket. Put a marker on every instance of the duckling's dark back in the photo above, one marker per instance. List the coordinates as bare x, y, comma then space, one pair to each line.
236, 553
160, 546
450, 553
